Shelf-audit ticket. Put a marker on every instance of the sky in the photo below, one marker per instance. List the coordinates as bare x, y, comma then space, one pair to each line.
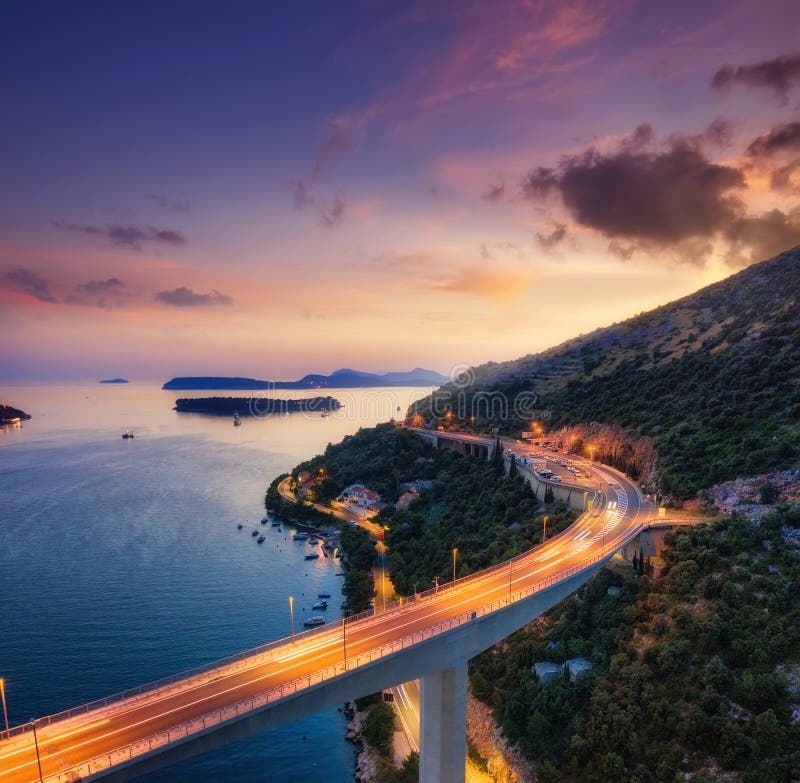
266, 189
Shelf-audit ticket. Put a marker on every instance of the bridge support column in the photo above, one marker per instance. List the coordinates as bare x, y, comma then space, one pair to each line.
443, 726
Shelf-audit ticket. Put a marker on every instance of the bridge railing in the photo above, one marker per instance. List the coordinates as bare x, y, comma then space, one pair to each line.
254, 656
239, 709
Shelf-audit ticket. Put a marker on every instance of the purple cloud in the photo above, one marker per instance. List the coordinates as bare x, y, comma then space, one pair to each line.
186, 297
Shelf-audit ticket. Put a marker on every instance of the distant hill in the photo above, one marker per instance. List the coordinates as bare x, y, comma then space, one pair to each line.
9, 415
341, 379
114, 380
711, 382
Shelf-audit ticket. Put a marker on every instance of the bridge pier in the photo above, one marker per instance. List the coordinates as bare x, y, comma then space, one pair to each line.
443, 726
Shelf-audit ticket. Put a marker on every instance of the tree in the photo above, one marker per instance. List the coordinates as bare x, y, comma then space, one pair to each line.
497, 458
549, 496
768, 494
513, 472
379, 728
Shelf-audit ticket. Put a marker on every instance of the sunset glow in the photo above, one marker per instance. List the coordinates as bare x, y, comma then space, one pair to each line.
378, 186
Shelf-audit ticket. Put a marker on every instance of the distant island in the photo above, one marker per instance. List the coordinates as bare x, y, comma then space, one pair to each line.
341, 379
9, 415
114, 380
254, 406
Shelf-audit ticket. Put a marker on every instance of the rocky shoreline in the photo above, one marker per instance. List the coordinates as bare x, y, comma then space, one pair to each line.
366, 766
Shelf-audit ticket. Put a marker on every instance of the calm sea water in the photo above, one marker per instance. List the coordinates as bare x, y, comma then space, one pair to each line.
121, 562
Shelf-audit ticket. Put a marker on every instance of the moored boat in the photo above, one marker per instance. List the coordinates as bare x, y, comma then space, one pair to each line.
312, 622
311, 556
320, 605
261, 539
300, 536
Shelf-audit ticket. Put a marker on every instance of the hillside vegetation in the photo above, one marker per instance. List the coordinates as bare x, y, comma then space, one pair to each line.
695, 673
711, 380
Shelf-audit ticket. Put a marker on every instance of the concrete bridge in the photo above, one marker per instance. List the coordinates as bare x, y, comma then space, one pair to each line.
431, 637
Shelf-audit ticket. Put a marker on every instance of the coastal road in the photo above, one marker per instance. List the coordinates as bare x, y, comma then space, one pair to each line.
71, 742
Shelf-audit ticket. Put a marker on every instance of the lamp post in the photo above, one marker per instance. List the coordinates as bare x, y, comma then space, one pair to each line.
544, 528
435, 584
455, 552
344, 641
584, 500
510, 566
291, 614
36, 745
5, 711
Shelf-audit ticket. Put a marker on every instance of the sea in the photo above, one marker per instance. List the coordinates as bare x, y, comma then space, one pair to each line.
121, 561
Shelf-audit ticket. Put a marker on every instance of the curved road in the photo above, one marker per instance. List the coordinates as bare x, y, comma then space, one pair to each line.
71, 742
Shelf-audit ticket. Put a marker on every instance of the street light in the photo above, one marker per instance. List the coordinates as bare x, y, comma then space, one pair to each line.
591, 453
455, 552
291, 614
544, 528
5, 711
344, 641
36, 745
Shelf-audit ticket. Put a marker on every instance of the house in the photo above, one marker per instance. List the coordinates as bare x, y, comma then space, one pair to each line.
546, 671
576, 666
358, 496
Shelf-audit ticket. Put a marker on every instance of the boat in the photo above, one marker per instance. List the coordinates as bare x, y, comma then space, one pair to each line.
240, 526
276, 523
236, 420
323, 595
320, 605
300, 536
313, 540
261, 539
127, 435
264, 520
254, 533
312, 622
311, 556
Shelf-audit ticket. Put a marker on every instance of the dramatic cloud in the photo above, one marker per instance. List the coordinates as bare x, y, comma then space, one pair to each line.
128, 236
783, 178
781, 138
641, 196
301, 198
777, 75
99, 293
553, 239
169, 204
333, 215
27, 282
185, 297
754, 238
495, 193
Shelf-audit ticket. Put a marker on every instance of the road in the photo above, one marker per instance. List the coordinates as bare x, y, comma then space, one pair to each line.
70, 741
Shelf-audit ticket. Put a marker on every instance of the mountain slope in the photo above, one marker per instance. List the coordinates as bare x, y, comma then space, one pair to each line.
340, 379
711, 380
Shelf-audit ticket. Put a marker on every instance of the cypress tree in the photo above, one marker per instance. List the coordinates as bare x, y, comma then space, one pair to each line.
513, 472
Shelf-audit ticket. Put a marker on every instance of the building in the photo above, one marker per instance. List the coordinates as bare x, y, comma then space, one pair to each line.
358, 496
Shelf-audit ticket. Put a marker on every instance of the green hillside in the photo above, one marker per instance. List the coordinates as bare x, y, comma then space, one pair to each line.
711, 380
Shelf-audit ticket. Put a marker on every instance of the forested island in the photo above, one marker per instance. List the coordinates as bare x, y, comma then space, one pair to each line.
113, 380
255, 406
9, 415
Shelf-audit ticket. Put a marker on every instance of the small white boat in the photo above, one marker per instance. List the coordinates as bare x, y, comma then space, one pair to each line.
300, 536
236, 420
312, 622
320, 605
311, 556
